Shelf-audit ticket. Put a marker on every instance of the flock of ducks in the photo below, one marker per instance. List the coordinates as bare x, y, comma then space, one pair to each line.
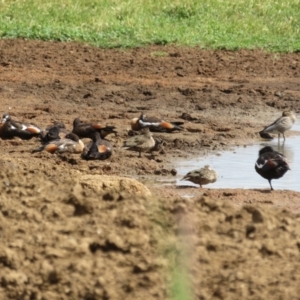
56, 138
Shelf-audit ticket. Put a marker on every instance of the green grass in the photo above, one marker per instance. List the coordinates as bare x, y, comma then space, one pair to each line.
180, 289
231, 24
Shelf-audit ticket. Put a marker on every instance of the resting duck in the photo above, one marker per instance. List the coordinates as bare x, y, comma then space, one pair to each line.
155, 124
86, 130
10, 129
202, 176
271, 164
54, 132
140, 143
97, 149
280, 125
71, 144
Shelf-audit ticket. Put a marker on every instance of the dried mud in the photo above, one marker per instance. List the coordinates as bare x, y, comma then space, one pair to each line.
60, 240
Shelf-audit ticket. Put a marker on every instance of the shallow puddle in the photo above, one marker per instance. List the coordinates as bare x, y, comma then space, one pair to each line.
236, 168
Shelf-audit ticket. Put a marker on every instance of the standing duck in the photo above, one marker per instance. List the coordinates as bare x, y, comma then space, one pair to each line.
10, 128
71, 144
280, 125
202, 176
271, 164
140, 143
86, 130
97, 149
155, 124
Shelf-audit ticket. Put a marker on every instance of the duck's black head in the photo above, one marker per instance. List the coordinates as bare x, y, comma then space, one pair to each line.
76, 122
53, 133
142, 116
72, 136
265, 150
6, 117
59, 124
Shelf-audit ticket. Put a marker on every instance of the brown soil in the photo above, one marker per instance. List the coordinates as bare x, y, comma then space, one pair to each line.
61, 241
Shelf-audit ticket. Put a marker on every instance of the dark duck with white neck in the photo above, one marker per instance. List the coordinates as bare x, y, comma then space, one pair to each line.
271, 164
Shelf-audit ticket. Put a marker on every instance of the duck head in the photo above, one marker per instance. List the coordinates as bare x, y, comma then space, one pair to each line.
6, 117
76, 122
72, 136
265, 150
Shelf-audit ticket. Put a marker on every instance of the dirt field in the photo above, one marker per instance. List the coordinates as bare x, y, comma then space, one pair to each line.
60, 240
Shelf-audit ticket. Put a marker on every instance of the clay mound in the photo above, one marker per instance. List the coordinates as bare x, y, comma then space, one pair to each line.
111, 184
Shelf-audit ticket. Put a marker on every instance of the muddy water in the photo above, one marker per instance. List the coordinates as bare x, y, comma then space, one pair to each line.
236, 168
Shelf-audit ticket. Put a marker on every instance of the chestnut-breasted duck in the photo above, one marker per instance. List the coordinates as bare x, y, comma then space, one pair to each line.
155, 124
271, 164
86, 130
71, 144
10, 128
97, 149
54, 132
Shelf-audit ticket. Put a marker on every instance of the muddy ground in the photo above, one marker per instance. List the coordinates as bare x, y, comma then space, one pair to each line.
61, 241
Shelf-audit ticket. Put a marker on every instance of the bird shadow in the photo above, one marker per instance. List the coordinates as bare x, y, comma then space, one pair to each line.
263, 191
184, 187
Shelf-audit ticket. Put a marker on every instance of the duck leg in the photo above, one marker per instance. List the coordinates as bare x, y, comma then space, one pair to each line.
271, 185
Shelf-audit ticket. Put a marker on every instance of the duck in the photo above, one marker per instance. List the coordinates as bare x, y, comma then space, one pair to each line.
280, 125
54, 132
10, 128
202, 176
97, 149
140, 143
85, 130
271, 164
70, 144
155, 124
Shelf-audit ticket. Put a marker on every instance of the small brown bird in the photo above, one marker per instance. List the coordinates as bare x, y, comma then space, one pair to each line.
280, 125
71, 144
86, 130
10, 128
140, 143
97, 149
202, 176
155, 124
